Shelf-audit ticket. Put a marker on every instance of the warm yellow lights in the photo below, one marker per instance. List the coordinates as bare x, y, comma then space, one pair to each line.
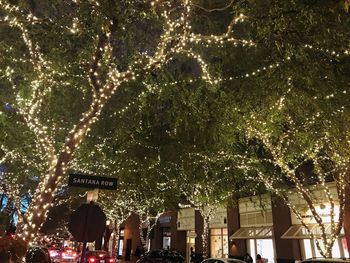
176, 39
289, 168
104, 79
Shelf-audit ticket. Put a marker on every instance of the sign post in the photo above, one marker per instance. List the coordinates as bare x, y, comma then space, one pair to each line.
84, 239
87, 223
93, 217
91, 196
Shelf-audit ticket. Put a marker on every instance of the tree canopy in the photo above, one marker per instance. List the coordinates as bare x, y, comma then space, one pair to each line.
171, 97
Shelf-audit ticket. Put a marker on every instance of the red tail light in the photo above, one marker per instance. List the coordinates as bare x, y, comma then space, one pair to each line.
92, 260
100, 255
111, 260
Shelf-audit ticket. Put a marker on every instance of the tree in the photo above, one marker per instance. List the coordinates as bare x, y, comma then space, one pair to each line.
73, 57
80, 62
304, 128
117, 208
206, 189
294, 147
145, 199
290, 128
305, 152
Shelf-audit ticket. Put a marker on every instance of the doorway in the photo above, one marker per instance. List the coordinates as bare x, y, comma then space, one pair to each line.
128, 250
190, 242
263, 247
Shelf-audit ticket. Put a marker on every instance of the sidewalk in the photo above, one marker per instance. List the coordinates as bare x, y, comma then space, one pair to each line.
126, 261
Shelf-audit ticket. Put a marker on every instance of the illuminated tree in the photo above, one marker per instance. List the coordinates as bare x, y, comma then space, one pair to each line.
297, 146
206, 189
64, 60
82, 61
116, 208
306, 152
290, 128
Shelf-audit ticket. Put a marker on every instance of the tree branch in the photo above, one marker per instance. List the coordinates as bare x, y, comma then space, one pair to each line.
93, 75
214, 9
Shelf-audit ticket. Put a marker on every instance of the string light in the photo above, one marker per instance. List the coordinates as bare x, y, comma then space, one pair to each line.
177, 38
279, 158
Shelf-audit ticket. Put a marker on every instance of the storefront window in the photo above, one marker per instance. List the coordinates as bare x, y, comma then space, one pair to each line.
121, 242
252, 249
120, 247
263, 247
166, 242
346, 249
166, 238
339, 249
307, 248
336, 250
218, 243
190, 243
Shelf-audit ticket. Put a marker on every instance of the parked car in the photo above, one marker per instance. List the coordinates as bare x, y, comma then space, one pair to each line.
222, 260
37, 254
161, 256
326, 260
97, 256
69, 255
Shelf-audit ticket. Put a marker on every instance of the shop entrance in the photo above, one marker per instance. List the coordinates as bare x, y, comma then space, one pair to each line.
128, 250
264, 247
190, 242
166, 242
218, 243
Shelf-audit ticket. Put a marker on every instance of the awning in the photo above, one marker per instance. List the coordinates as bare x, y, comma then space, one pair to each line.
300, 232
253, 233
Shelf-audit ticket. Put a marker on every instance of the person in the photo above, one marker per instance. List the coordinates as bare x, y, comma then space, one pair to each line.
137, 252
247, 258
192, 255
165, 254
259, 259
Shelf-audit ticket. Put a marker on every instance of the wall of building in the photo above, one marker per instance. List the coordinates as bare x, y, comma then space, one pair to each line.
157, 238
191, 223
180, 244
237, 247
287, 250
199, 223
131, 232
166, 220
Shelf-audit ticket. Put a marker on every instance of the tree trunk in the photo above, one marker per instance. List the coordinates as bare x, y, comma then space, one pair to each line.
45, 192
116, 245
142, 238
205, 236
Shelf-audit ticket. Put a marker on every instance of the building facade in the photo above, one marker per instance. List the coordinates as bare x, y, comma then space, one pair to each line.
256, 225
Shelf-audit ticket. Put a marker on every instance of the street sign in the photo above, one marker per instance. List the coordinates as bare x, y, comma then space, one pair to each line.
87, 223
93, 182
